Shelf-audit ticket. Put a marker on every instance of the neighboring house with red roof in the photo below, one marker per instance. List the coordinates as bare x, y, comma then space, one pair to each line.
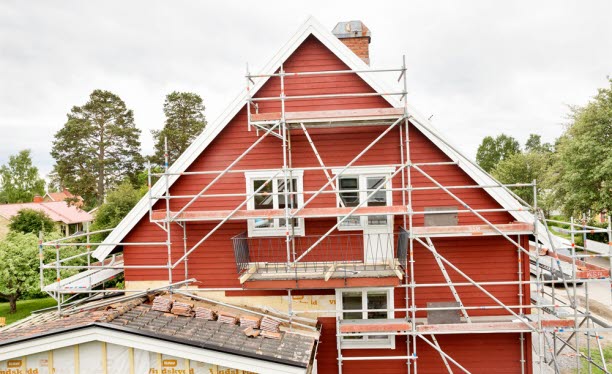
68, 218
60, 196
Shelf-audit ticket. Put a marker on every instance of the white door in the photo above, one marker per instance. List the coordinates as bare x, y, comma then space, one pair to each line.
378, 229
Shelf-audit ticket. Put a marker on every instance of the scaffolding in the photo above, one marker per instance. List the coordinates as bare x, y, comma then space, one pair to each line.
549, 314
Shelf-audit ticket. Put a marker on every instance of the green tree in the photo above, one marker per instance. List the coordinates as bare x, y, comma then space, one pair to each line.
19, 179
20, 266
31, 221
534, 144
583, 180
493, 150
185, 120
524, 168
118, 204
97, 147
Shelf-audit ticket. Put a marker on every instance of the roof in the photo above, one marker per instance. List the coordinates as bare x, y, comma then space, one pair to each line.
58, 211
312, 27
135, 315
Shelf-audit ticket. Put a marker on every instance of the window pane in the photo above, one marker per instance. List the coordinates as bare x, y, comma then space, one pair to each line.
350, 199
292, 199
263, 200
378, 199
377, 300
352, 300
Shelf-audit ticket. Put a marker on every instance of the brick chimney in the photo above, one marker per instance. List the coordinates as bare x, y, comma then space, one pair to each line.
356, 36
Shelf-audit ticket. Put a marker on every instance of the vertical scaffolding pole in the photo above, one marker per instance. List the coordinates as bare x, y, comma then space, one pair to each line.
539, 284
576, 325
168, 214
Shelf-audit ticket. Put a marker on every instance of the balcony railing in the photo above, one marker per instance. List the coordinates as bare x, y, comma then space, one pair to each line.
336, 256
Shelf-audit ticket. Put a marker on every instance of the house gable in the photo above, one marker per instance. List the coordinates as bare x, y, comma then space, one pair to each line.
236, 109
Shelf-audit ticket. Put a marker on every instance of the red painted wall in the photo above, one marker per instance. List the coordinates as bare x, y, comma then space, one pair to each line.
213, 264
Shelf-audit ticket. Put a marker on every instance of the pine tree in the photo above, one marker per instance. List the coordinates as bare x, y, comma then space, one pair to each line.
185, 120
98, 147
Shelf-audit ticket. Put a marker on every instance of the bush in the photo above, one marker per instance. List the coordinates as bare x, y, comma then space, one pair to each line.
30, 221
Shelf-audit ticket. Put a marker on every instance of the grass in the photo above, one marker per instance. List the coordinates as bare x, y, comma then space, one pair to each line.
607, 351
24, 308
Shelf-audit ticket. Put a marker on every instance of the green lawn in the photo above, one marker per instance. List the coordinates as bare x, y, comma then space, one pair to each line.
24, 307
607, 351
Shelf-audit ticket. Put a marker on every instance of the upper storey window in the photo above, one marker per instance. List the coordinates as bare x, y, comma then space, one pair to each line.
271, 195
354, 186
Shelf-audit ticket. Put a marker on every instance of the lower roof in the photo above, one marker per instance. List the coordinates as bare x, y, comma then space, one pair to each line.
136, 317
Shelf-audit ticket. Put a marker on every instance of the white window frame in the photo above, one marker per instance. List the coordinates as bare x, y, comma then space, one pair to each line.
362, 173
389, 343
250, 176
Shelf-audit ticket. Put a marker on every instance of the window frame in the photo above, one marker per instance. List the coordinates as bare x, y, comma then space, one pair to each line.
362, 174
389, 342
252, 176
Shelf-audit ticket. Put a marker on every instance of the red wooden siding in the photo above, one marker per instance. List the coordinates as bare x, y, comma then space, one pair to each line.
478, 353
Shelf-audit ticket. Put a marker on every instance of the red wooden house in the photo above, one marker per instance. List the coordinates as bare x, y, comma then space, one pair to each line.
322, 193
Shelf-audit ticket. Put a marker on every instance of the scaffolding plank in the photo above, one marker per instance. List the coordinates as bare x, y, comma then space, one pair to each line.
374, 325
331, 115
518, 228
86, 280
218, 215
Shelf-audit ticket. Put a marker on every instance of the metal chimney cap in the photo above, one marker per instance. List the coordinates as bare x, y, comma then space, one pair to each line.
351, 29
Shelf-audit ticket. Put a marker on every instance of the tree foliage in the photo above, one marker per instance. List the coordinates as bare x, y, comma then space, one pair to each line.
493, 150
525, 168
19, 179
20, 266
118, 204
583, 179
31, 221
97, 147
534, 144
185, 120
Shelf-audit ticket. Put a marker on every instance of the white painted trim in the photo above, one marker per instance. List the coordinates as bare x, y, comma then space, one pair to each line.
126, 339
310, 27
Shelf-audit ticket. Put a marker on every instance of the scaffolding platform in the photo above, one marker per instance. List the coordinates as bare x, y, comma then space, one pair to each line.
356, 326
323, 274
376, 116
219, 215
518, 228
89, 279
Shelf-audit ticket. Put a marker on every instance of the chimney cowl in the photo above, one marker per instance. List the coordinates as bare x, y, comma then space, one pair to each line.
352, 29
356, 36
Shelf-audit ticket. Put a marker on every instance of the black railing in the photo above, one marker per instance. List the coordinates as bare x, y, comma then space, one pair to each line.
351, 253
403, 238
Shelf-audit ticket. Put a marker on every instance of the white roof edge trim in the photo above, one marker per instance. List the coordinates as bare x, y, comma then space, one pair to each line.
145, 343
310, 27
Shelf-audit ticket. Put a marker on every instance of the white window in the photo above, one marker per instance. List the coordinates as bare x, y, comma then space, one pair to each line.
362, 304
354, 185
271, 196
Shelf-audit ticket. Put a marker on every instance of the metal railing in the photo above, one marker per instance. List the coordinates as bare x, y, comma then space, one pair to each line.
351, 253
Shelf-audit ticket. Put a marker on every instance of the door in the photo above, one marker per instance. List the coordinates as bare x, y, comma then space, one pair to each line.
377, 229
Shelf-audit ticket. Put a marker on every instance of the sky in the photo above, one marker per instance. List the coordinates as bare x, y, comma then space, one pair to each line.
477, 68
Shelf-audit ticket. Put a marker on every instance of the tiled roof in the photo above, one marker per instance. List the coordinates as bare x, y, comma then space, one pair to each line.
137, 316
58, 211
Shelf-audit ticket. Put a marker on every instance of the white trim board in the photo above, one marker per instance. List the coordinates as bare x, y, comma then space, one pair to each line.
101, 334
310, 27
